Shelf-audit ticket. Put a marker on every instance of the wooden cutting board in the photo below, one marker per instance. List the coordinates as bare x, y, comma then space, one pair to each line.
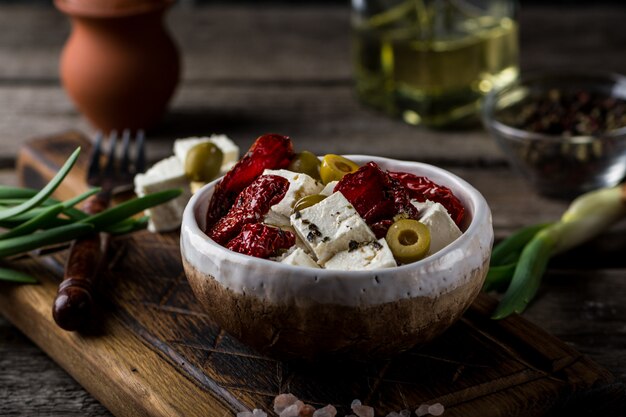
153, 352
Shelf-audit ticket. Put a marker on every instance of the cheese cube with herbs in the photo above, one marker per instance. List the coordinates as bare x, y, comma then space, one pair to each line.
329, 188
227, 146
443, 230
329, 226
299, 258
300, 185
363, 256
165, 174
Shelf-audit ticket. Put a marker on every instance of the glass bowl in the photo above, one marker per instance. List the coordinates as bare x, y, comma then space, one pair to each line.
559, 165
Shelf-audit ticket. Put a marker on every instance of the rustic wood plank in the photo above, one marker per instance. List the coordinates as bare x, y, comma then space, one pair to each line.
211, 40
321, 120
30, 380
119, 360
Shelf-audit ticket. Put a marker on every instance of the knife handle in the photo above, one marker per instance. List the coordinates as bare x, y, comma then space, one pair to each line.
74, 303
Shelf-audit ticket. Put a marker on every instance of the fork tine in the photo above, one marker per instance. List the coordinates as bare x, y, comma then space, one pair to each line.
93, 172
109, 169
140, 152
124, 164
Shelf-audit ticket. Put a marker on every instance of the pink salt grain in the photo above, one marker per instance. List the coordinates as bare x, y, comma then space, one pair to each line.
422, 410
393, 414
328, 411
244, 414
258, 413
307, 411
363, 410
293, 410
283, 401
436, 409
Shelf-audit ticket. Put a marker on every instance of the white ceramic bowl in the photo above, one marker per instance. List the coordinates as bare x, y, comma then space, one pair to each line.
302, 312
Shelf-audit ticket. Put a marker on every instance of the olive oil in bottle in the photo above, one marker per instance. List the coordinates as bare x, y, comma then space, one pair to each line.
431, 62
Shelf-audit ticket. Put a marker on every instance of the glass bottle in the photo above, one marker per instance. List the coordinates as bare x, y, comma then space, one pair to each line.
431, 61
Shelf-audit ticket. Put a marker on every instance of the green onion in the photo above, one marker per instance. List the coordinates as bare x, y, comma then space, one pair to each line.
36, 220
16, 276
9, 192
124, 227
587, 216
35, 223
527, 276
8, 202
513, 244
44, 193
499, 276
61, 234
129, 208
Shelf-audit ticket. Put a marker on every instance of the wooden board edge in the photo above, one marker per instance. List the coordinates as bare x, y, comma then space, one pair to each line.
125, 375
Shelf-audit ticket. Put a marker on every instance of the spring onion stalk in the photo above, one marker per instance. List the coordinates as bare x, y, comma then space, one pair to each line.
9, 192
20, 244
35, 223
129, 208
69, 210
16, 276
45, 192
587, 216
124, 227
35, 220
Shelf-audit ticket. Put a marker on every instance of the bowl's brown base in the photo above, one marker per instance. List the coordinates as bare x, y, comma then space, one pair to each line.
311, 330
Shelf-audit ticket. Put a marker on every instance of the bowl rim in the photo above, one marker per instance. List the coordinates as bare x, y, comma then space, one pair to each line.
481, 211
489, 104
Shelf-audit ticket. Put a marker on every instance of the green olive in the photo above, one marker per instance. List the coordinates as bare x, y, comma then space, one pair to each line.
308, 201
203, 162
334, 167
409, 240
307, 163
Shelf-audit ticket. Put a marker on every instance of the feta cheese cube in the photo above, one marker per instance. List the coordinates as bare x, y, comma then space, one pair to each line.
227, 146
328, 227
165, 174
328, 189
299, 258
300, 185
443, 230
372, 255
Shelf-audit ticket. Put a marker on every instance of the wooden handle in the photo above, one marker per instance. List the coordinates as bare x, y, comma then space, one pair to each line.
74, 302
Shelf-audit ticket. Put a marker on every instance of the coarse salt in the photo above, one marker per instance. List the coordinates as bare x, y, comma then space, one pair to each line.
283, 401
328, 411
293, 410
436, 409
422, 410
307, 411
363, 410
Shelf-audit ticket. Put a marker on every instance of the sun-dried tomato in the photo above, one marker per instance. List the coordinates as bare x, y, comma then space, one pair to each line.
261, 241
376, 196
422, 189
268, 152
250, 207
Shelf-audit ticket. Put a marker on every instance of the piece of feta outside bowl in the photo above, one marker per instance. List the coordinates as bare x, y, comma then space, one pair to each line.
298, 312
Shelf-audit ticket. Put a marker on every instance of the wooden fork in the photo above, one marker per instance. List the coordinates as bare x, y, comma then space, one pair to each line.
74, 303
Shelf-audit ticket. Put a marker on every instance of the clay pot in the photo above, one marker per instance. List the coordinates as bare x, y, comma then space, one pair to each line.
119, 66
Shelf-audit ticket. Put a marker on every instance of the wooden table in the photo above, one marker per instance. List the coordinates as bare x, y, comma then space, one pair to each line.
252, 70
